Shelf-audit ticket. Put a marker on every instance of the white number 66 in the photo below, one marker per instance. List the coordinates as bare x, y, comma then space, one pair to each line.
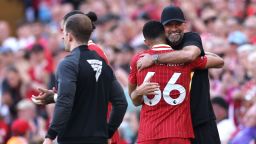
170, 86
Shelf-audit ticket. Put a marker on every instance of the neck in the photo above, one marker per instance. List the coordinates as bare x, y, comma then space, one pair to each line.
77, 44
159, 41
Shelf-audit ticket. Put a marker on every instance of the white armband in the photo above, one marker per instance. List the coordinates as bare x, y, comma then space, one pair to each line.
55, 97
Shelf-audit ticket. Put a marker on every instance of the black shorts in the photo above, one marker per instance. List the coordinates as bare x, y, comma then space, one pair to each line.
206, 133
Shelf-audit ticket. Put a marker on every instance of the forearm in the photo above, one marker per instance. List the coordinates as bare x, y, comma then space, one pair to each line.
133, 93
137, 98
63, 107
214, 61
60, 117
187, 54
211, 54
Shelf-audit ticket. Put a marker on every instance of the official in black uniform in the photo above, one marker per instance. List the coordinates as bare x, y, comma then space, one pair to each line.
85, 85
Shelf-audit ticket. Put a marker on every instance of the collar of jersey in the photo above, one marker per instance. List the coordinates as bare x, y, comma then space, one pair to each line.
159, 47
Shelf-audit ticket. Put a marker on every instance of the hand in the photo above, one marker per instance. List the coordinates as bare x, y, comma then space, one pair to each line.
47, 141
147, 88
45, 96
145, 61
109, 141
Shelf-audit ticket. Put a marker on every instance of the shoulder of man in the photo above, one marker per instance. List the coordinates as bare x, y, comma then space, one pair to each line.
192, 35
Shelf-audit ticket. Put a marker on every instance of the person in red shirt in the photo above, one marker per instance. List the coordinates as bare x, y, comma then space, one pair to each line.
163, 91
20, 132
3, 130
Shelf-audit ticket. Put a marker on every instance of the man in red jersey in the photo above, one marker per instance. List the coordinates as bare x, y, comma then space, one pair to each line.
165, 115
49, 96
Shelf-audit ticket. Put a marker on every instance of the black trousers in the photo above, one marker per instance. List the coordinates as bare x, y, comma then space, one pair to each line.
206, 133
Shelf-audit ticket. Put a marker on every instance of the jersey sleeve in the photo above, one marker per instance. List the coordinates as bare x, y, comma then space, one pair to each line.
193, 38
133, 70
199, 63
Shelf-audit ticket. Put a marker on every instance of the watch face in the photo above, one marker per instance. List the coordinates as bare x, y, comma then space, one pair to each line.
155, 58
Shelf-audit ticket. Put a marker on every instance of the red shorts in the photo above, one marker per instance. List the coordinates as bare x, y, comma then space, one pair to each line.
167, 141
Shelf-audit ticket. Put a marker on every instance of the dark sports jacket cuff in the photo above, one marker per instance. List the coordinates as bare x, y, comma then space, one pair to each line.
51, 134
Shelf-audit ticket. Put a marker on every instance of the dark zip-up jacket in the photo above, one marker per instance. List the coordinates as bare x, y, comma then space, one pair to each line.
85, 86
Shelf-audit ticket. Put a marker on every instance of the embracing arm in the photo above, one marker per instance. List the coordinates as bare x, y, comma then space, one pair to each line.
186, 54
136, 99
213, 60
146, 88
190, 50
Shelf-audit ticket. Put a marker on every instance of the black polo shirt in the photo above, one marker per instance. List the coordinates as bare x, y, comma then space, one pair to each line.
201, 107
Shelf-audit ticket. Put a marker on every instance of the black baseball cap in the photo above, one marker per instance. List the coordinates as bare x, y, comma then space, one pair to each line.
172, 13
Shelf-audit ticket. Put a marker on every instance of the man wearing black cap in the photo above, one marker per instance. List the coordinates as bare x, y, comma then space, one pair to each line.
190, 47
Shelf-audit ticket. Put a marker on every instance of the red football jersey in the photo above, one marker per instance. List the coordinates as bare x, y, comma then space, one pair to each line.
96, 48
166, 114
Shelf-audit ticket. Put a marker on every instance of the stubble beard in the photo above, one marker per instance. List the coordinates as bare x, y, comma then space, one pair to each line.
175, 38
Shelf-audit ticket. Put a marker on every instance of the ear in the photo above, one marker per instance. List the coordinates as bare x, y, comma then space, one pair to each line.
70, 37
184, 25
147, 43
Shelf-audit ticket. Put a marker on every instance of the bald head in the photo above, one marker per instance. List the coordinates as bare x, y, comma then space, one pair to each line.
80, 26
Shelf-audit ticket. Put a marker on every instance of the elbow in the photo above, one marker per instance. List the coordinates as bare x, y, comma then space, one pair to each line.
136, 103
221, 63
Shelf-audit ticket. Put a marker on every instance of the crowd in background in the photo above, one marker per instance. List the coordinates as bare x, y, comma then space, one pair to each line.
28, 59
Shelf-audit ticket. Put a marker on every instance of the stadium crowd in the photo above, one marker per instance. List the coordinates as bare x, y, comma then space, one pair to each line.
28, 60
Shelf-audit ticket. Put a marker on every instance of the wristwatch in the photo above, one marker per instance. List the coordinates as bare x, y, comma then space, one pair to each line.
155, 58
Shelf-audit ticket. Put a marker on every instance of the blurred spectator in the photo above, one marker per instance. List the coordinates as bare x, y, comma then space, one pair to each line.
12, 89
129, 127
127, 53
40, 69
3, 130
7, 56
237, 38
220, 107
24, 36
20, 132
5, 39
247, 134
250, 28
225, 125
27, 111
